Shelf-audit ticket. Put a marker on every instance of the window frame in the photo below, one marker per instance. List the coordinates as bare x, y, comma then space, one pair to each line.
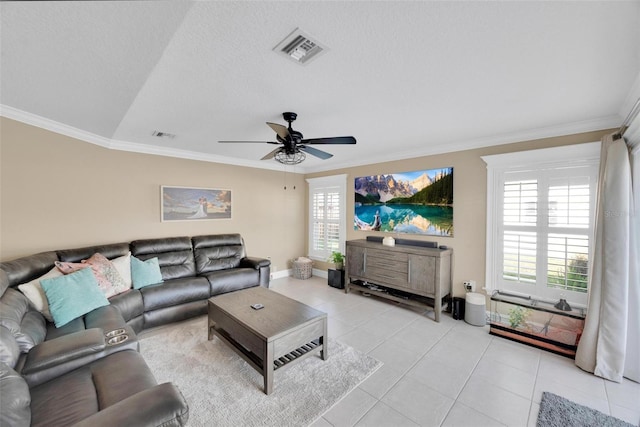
321, 185
535, 163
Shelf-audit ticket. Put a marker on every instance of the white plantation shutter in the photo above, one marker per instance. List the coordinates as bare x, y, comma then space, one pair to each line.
540, 222
327, 219
519, 259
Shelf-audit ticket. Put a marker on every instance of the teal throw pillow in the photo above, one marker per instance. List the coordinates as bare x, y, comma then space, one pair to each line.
73, 295
145, 273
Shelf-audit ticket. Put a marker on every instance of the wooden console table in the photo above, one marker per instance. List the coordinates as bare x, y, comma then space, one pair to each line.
413, 275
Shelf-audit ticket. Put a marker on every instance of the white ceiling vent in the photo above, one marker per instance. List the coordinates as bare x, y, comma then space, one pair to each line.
300, 47
163, 134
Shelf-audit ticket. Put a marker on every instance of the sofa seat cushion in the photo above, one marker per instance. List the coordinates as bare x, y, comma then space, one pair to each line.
129, 304
175, 292
106, 318
81, 393
224, 281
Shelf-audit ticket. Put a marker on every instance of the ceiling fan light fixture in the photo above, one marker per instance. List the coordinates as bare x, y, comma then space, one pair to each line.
290, 158
300, 47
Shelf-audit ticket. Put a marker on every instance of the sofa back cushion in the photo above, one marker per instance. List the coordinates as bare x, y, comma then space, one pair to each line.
27, 268
15, 398
217, 252
175, 255
9, 350
4, 282
26, 324
110, 251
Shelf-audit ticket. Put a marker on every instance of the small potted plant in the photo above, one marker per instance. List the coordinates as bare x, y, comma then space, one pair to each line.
338, 259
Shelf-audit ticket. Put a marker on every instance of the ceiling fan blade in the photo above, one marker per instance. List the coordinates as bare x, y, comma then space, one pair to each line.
271, 154
249, 142
282, 131
335, 140
315, 152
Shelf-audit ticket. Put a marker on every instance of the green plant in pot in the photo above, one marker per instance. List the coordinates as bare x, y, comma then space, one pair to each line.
337, 259
518, 316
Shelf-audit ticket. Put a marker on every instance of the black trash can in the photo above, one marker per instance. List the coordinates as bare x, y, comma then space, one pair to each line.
458, 308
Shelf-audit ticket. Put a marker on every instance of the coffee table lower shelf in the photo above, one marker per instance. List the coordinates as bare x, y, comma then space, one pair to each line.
254, 360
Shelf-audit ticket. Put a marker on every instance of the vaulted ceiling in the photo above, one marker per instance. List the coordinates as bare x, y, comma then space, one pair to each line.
405, 78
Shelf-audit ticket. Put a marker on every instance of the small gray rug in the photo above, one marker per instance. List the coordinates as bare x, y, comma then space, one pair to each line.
556, 411
223, 390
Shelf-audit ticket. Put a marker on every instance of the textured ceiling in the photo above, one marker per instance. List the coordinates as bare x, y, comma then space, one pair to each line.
404, 78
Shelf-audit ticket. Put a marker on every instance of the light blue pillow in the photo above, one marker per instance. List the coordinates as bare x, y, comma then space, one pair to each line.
73, 295
145, 273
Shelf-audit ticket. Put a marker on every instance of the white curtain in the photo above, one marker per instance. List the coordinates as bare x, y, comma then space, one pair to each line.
609, 342
632, 361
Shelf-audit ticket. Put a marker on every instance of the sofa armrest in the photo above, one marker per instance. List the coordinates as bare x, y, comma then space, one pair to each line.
253, 262
53, 358
64, 349
162, 405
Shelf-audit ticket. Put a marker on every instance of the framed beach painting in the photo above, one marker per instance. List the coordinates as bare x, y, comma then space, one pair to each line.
194, 204
417, 202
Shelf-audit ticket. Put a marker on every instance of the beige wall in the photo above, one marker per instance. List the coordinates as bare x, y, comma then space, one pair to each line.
469, 199
58, 192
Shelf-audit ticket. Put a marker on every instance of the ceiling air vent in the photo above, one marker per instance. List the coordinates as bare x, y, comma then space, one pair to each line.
300, 47
163, 134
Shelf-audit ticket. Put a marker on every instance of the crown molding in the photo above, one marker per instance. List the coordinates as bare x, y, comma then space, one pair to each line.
471, 144
113, 144
53, 126
528, 135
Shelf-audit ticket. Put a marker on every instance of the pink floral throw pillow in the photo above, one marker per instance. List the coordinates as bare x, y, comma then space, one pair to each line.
105, 273
69, 267
114, 283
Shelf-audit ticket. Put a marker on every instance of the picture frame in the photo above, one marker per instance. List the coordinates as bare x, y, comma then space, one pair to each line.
417, 202
194, 203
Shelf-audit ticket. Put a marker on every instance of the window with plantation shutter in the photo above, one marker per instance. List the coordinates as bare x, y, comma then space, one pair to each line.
327, 219
540, 214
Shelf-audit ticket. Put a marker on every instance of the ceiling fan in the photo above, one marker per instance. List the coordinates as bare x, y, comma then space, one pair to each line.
292, 147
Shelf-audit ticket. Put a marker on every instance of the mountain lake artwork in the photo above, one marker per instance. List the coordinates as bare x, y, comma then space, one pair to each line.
195, 204
419, 202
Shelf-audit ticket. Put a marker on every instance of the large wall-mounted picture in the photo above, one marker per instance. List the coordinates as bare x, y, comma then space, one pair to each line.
419, 202
195, 204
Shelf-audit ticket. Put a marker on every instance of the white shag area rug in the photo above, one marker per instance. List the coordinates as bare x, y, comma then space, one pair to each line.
223, 390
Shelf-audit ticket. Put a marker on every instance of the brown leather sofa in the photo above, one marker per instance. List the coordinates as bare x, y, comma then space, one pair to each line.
72, 375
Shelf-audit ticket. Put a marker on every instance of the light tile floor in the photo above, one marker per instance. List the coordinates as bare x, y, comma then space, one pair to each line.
448, 373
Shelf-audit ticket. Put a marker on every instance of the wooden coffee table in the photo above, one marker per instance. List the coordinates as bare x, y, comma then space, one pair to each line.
271, 338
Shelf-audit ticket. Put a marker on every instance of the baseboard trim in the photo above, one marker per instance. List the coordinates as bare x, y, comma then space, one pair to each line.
320, 273
286, 273
280, 274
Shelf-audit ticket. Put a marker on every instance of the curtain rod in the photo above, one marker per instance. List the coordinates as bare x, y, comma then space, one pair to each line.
627, 121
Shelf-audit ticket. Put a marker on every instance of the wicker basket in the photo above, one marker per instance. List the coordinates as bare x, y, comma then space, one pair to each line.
302, 268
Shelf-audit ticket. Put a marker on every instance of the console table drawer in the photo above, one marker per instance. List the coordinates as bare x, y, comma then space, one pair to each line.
379, 263
392, 277
388, 255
